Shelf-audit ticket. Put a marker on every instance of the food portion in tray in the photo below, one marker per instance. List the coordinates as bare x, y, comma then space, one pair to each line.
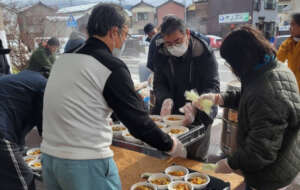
118, 128
143, 186
33, 152
33, 159
174, 120
177, 173
178, 177
161, 181
181, 186
177, 130
197, 180
28, 159
156, 117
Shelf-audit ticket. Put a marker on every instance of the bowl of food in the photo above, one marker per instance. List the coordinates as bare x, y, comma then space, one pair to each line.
177, 130
29, 159
160, 180
177, 172
33, 152
198, 180
35, 165
109, 121
156, 118
180, 185
143, 186
174, 120
128, 137
160, 125
118, 130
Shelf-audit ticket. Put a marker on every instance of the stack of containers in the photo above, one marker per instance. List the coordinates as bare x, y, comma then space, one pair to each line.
230, 124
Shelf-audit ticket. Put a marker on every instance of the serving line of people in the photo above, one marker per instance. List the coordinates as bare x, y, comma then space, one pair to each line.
85, 86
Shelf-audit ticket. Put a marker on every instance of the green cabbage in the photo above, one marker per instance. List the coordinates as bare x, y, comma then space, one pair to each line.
205, 103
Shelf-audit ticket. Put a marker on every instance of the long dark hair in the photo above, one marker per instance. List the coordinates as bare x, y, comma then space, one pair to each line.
244, 49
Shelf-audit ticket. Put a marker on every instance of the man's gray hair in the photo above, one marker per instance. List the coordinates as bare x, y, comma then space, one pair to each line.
171, 24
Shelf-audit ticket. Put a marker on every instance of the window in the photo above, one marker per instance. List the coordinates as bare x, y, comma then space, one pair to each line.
270, 4
282, 8
269, 29
256, 5
142, 16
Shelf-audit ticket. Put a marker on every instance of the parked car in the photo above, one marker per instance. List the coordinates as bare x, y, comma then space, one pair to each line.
279, 39
215, 41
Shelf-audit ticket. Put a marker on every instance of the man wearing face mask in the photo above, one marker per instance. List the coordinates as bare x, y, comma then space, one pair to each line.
290, 48
83, 89
184, 61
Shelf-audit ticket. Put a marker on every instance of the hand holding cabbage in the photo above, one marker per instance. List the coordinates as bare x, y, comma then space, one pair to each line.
205, 101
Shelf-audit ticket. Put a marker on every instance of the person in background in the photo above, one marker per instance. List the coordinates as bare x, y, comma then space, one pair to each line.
4, 66
144, 72
21, 106
290, 48
150, 31
184, 61
92, 83
76, 39
43, 58
268, 138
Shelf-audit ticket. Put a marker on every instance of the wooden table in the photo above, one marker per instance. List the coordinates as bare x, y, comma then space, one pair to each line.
132, 164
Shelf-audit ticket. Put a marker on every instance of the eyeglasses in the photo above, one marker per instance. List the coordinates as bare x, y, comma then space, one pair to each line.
177, 42
127, 35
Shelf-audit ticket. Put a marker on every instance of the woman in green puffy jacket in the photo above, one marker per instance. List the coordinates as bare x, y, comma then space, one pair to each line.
268, 138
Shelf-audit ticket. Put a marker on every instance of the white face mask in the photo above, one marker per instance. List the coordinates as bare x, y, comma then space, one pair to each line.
296, 39
117, 52
178, 50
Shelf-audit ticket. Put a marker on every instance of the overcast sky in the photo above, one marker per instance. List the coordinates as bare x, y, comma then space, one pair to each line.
126, 2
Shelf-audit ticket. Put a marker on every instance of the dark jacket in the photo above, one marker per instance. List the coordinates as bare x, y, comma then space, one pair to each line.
197, 69
21, 103
154, 43
41, 61
268, 136
120, 95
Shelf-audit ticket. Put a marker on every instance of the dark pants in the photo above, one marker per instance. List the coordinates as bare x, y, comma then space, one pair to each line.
198, 151
14, 172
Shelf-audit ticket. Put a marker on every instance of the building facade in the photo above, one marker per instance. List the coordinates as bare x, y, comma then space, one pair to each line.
264, 17
31, 21
197, 16
170, 8
142, 13
224, 17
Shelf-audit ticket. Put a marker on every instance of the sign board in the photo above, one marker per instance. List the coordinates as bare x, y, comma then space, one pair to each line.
71, 22
284, 28
235, 17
